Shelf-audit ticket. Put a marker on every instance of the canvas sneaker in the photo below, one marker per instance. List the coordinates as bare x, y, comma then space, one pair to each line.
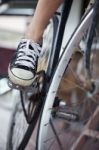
23, 66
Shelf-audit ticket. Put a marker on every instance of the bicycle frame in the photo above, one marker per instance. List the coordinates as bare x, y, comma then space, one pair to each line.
59, 37
90, 35
58, 40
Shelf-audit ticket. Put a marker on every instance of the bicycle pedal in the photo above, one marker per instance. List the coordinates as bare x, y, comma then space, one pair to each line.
14, 86
67, 116
19, 87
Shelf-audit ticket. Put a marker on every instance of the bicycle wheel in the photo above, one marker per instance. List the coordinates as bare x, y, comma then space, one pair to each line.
25, 115
18, 124
62, 123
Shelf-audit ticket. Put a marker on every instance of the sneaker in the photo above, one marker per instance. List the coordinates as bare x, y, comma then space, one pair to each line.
23, 66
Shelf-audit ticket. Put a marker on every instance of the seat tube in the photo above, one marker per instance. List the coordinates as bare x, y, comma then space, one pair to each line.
64, 16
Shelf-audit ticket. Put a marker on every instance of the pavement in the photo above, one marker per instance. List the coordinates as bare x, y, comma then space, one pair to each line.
8, 99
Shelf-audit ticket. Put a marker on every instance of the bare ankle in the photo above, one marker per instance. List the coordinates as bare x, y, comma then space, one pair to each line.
34, 36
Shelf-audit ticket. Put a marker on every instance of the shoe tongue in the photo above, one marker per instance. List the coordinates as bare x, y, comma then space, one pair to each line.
23, 67
30, 47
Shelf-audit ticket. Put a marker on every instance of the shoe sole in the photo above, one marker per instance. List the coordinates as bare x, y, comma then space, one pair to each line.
18, 81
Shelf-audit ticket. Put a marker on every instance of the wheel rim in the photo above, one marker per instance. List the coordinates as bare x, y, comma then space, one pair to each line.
45, 120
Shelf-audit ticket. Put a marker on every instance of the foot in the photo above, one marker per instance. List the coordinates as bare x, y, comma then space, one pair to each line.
22, 69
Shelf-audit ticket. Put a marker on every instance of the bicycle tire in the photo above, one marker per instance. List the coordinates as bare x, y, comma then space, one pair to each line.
17, 110
59, 71
21, 131
29, 130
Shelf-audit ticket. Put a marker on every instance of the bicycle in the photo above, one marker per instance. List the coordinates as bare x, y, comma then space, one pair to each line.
52, 90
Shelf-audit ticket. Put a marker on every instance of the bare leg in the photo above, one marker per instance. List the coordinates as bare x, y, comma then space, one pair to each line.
44, 11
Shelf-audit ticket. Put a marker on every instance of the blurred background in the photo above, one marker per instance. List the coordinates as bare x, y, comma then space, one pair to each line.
14, 17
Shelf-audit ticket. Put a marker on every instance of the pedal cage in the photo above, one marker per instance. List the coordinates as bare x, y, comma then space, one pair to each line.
19, 87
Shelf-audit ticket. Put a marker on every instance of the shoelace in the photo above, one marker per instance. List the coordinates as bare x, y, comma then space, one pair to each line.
27, 53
